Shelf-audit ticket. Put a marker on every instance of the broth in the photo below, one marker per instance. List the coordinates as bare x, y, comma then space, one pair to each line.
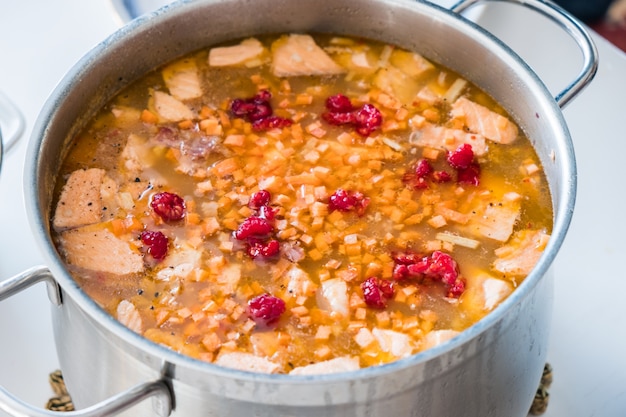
303, 204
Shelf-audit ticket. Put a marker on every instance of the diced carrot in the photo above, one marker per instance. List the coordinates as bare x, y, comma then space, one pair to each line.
185, 124
225, 167
148, 117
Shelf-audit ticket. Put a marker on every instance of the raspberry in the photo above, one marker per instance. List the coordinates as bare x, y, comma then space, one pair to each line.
469, 175
258, 248
343, 200
266, 307
365, 119
423, 168
253, 226
337, 119
271, 122
368, 119
267, 213
258, 111
156, 242
376, 292
439, 266
339, 104
169, 206
259, 199
462, 157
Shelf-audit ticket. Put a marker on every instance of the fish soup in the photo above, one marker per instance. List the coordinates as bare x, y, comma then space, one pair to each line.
301, 204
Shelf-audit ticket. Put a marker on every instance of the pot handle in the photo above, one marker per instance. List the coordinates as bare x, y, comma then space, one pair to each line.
572, 26
11, 123
158, 390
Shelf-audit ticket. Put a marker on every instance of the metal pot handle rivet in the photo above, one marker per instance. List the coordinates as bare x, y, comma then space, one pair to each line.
572, 26
158, 390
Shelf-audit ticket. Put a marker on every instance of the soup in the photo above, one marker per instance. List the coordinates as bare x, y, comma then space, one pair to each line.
301, 204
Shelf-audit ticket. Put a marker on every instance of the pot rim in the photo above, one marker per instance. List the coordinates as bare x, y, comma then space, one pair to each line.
563, 207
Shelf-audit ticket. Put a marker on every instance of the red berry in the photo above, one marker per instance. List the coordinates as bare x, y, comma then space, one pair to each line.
438, 266
423, 168
337, 118
253, 226
456, 289
270, 122
156, 242
368, 119
469, 175
169, 206
339, 104
462, 157
342, 200
258, 111
259, 199
267, 308
267, 249
376, 292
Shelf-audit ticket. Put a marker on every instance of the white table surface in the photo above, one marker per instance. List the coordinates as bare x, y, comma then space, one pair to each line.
40, 40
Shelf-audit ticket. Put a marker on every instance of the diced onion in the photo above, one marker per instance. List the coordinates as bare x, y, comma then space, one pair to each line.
458, 240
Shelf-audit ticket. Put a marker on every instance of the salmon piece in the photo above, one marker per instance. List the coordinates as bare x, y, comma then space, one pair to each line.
410, 63
396, 343
521, 254
439, 137
496, 221
299, 283
427, 95
295, 55
246, 362
97, 249
80, 203
128, 315
437, 337
182, 79
340, 364
235, 55
483, 121
484, 292
171, 109
333, 297
180, 263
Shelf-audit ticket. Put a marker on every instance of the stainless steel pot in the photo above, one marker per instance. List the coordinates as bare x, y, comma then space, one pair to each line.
491, 369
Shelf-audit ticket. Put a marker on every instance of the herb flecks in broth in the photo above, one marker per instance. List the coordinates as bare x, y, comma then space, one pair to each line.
301, 204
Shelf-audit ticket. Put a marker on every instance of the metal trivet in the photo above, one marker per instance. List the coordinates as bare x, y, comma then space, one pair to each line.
62, 400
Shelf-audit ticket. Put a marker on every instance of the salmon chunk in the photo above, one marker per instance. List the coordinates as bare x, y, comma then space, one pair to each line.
97, 249
439, 137
521, 254
496, 221
182, 79
483, 121
246, 362
128, 315
396, 343
295, 55
341, 364
80, 203
235, 55
299, 283
333, 297
484, 292
171, 109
